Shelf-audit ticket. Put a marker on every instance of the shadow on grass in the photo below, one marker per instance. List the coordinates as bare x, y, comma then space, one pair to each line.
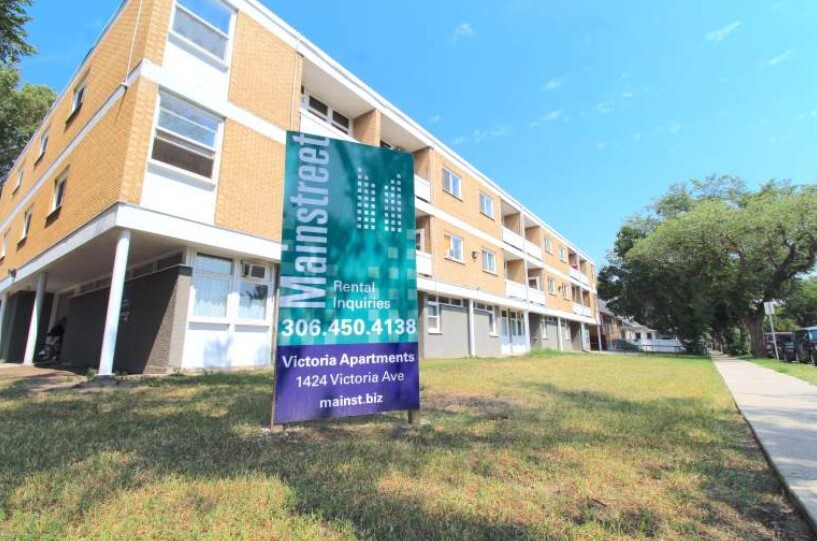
335, 469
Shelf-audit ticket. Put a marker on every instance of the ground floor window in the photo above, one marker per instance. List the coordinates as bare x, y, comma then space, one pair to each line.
433, 319
224, 290
212, 281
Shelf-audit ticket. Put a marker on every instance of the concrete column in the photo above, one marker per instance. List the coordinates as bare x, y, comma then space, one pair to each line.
4, 301
120, 265
472, 337
584, 330
527, 329
559, 333
34, 325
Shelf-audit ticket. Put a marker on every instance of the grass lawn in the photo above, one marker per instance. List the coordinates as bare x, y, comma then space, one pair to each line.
804, 371
554, 447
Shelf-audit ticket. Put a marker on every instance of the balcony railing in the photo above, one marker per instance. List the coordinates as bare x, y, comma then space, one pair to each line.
533, 249
514, 239
576, 274
424, 263
515, 290
537, 296
422, 188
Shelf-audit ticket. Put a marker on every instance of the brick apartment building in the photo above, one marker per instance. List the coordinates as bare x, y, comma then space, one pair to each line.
146, 210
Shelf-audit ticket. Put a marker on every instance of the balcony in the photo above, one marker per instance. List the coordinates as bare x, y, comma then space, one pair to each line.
515, 290
513, 239
422, 188
537, 296
581, 310
533, 249
424, 263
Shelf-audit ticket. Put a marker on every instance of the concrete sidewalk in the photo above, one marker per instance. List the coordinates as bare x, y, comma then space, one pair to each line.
782, 411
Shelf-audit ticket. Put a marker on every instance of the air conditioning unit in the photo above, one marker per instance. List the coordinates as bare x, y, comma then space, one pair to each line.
252, 270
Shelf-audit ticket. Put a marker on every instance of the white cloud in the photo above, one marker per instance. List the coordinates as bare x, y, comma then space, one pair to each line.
637, 136
604, 107
723, 33
554, 83
480, 135
674, 127
434, 119
626, 95
779, 58
553, 115
462, 31
601, 145
533, 124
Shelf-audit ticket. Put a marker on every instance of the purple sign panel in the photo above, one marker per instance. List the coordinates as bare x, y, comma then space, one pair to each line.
347, 311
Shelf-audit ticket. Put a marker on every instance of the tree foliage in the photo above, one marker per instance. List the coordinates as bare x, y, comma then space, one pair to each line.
800, 305
707, 254
22, 108
13, 36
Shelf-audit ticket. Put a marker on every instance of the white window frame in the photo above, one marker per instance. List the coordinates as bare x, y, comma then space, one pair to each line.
329, 117
486, 205
551, 286
449, 240
43, 143
197, 49
537, 280
420, 238
490, 268
20, 176
549, 245
5, 246
565, 292
27, 216
60, 185
235, 278
452, 183
216, 149
563, 254
433, 322
80, 90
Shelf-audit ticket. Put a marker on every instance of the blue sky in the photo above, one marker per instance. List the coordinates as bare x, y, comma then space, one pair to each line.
584, 110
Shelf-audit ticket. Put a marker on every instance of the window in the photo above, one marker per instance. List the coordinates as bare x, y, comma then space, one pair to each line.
534, 283
551, 286
486, 205
341, 122
433, 320
186, 136
211, 282
329, 115
492, 321
452, 183
59, 192
488, 261
420, 240
79, 95
5, 247
205, 24
562, 254
26, 223
453, 247
548, 245
565, 292
43, 144
253, 301
20, 175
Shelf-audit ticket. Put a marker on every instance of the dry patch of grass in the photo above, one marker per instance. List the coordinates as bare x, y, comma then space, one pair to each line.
555, 447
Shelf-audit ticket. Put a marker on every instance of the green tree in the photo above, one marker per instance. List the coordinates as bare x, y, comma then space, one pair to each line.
800, 305
712, 253
22, 108
13, 36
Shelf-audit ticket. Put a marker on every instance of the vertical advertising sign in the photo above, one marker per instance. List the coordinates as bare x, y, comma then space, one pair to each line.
347, 311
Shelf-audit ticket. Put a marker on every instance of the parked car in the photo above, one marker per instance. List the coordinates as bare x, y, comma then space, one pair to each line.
805, 345
785, 345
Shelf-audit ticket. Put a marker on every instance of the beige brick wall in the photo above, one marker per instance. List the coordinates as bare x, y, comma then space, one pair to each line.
469, 273
265, 74
95, 169
250, 183
367, 128
467, 208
